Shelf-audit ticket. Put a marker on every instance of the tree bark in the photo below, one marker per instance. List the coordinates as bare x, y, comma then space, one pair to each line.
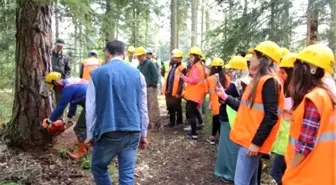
56, 19
332, 30
194, 7
312, 23
202, 23
33, 49
173, 24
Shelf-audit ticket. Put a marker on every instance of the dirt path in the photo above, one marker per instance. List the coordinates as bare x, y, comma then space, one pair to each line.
171, 159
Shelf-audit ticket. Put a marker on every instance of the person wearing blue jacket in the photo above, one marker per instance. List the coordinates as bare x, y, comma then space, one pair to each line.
73, 92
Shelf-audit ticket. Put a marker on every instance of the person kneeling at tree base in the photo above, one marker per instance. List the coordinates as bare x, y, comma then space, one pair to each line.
72, 91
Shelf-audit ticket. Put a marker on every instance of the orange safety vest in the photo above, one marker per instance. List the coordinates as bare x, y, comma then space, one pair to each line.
196, 92
177, 77
89, 65
319, 167
248, 118
212, 81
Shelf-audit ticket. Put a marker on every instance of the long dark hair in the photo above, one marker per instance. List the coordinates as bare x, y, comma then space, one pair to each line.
221, 74
303, 81
197, 58
265, 68
289, 72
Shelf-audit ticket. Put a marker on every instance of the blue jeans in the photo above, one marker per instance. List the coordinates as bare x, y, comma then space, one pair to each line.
247, 168
278, 168
112, 144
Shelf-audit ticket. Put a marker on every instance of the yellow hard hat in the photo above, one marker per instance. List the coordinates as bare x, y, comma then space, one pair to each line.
248, 57
331, 57
283, 51
140, 51
52, 77
288, 60
237, 62
130, 49
269, 49
217, 62
177, 53
316, 55
195, 51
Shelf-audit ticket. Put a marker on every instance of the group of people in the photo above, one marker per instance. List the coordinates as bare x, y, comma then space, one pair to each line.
269, 101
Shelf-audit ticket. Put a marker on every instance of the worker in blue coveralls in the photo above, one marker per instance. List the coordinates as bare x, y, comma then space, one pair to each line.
73, 92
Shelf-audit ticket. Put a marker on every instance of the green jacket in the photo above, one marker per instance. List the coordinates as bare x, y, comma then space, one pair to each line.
148, 69
281, 141
60, 63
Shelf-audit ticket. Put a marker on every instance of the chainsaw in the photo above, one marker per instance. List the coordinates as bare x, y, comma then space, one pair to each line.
57, 127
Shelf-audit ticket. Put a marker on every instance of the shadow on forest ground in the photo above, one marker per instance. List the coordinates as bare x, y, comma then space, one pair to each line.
170, 160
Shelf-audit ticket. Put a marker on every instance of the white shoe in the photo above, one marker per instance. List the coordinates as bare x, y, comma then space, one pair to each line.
188, 128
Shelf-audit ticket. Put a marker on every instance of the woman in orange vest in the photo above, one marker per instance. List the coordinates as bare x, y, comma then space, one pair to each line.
278, 163
311, 151
257, 122
227, 150
216, 76
195, 89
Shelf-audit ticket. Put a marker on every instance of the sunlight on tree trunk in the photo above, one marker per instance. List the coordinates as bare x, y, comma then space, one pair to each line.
33, 48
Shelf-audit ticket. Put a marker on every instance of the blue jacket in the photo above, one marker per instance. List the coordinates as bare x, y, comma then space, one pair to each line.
118, 98
73, 92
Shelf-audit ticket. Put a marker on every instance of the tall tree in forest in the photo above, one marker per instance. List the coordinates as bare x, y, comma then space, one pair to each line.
194, 10
33, 48
173, 25
312, 22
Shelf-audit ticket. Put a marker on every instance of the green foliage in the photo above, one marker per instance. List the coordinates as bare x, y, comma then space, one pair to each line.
246, 25
62, 153
86, 162
7, 44
8, 183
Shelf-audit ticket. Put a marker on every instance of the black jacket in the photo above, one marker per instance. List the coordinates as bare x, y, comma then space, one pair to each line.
270, 101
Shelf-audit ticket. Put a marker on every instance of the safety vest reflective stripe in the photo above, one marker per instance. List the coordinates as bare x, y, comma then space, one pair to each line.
328, 136
92, 64
258, 106
211, 90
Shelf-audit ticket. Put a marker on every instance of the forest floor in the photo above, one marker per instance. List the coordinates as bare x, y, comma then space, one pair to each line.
171, 159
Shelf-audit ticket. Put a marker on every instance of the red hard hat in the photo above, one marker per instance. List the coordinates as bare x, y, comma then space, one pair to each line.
56, 127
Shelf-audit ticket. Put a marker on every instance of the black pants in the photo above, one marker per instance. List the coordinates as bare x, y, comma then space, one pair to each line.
260, 171
198, 115
174, 106
192, 114
215, 125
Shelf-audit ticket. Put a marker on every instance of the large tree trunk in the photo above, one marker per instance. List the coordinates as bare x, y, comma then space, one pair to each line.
33, 48
332, 30
202, 23
194, 9
109, 22
312, 23
173, 24
56, 15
